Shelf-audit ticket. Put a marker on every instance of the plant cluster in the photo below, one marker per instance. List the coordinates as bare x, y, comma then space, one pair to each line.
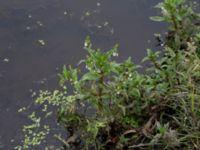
111, 105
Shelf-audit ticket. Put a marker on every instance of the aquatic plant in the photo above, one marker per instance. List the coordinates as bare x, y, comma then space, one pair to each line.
183, 31
111, 105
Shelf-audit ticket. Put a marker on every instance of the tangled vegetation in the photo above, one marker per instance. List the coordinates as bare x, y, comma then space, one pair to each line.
111, 105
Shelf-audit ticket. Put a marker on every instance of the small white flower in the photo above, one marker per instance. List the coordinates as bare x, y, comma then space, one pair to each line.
88, 68
164, 11
86, 44
115, 54
75, 82
37, 120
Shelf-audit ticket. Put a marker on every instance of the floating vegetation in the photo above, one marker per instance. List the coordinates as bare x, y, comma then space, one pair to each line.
41, 42
39, 23
6, 60
65, 13
93, 26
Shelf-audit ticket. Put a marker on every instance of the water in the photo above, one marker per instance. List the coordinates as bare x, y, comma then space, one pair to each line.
38, 37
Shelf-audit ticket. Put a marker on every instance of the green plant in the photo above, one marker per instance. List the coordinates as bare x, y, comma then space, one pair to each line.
183, 24
111, 105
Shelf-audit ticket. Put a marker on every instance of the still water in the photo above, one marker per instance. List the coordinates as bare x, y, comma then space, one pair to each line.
37, 37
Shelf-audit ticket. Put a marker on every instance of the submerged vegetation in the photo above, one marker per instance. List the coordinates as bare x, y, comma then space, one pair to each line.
112, 105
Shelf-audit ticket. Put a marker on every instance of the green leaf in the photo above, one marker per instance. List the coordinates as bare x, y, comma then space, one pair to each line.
179, 2
198, 35
159, 5
145, 59
114, 67
90, 76
135, 92
157, 18
123, 109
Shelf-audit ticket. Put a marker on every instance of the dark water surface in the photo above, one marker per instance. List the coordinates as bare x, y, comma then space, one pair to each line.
37, 37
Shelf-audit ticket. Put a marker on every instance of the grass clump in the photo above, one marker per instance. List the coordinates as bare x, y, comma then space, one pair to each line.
113, 106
